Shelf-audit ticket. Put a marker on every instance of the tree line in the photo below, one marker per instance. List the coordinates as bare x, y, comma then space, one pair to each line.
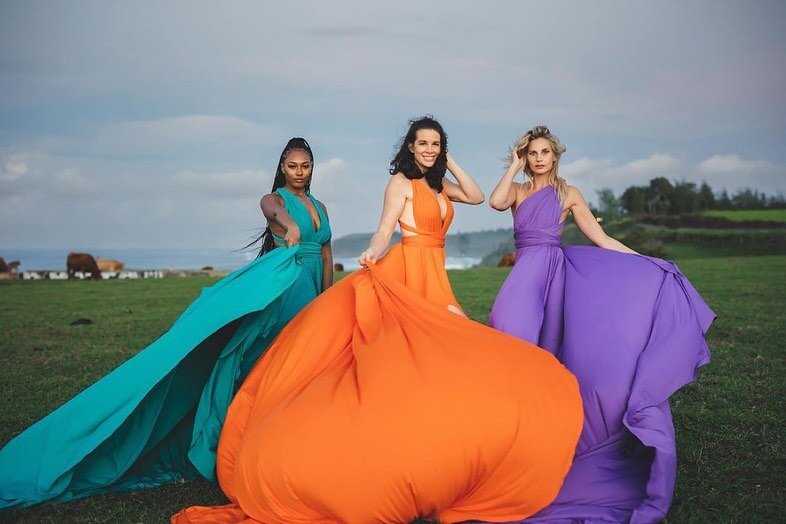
662, 197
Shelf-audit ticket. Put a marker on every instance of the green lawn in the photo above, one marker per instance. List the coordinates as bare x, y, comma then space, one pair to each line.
775, 215
688, 250
730, 424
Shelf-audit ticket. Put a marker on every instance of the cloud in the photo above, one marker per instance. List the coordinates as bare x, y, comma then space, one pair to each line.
13, 169
72, 182
352, 193
169, 127
332, 180
730, 172
189, 126
591, 175
343, 31
657, 163
39, 177
225, 185
196, 135
228, 201
731, 164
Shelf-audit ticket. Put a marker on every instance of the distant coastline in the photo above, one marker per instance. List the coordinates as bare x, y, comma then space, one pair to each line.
54, 259
140, 259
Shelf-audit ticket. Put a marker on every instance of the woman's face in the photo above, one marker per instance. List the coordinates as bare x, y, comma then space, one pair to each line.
297, 168
540, 156
426, 148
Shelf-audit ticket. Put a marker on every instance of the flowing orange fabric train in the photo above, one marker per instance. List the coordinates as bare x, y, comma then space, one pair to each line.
378, 404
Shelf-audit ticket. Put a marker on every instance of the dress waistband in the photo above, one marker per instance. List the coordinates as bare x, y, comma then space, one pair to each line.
309, 250
421, 240
535, 237
305, 249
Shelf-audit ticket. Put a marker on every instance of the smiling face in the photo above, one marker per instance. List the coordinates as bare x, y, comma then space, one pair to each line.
426, 148
540, 156
297, 168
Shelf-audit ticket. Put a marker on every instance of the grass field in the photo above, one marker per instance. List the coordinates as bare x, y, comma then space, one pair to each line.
730, 424
774, 215
684, 251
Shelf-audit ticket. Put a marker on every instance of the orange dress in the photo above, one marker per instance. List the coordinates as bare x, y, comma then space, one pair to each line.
378, 404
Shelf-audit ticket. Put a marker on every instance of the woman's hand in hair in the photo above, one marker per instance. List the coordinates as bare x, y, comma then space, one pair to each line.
503, 197
518, 161
466, 190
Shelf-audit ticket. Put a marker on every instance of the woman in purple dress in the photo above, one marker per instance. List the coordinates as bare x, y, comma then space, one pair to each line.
630, 327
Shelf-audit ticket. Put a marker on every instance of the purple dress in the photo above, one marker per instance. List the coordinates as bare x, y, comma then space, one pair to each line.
631, 328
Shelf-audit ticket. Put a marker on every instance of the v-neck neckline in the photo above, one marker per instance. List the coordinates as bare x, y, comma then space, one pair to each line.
436, 197
314, 225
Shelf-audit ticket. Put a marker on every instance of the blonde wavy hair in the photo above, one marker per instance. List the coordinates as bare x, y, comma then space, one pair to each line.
520, 149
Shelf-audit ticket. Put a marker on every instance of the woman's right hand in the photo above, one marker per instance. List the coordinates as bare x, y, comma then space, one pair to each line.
293, 236
367, 256
518, 162
503, 197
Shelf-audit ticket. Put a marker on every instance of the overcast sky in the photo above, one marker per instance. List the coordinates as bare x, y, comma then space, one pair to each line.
128, 124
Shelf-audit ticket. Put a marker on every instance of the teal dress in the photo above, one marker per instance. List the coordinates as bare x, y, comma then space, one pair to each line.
157, 417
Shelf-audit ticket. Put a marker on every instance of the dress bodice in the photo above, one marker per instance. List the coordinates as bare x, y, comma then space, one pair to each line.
311, 237
537, 220
430, 227
419, 260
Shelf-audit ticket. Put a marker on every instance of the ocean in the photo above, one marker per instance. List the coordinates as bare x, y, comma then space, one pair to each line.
139, 259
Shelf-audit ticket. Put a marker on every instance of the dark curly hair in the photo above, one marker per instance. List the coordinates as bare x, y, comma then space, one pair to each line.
404, 161
294, 144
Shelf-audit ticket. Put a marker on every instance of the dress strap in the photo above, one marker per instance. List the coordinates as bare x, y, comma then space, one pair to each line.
280, 240
411, 229
421, 238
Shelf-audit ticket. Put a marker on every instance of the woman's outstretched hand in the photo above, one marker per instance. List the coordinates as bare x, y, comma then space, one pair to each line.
293, 236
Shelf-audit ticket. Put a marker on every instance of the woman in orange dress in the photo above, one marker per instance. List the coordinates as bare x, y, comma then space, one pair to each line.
382, 402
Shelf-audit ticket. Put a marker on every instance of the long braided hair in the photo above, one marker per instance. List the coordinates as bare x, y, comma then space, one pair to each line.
294, 144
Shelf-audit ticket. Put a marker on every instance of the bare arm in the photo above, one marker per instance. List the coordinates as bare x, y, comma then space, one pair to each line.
587, 224
467, 190
395, 198
275, 212
327, 266
327, 260
504, 195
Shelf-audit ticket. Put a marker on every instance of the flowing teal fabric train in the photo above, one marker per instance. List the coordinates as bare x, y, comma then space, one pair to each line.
157, 417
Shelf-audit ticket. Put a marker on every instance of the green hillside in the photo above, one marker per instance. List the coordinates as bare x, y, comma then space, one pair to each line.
769, 215
474, 244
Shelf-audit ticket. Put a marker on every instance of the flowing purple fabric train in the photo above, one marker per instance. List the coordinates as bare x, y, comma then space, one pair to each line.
631, 328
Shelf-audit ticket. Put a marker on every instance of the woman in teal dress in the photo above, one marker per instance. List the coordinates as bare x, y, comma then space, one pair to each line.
157, 417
